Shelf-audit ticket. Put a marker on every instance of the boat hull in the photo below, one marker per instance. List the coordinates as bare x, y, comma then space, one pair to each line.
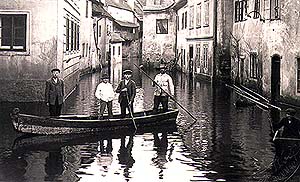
75, 124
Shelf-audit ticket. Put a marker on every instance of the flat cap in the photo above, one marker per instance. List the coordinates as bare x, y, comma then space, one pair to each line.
55, 69
105, 76
128, 72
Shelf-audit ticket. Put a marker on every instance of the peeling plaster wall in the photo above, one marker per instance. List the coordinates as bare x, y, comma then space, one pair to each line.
274, 37
22, 74
156, 46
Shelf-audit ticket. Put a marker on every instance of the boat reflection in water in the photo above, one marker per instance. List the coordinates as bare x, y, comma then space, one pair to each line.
107, 156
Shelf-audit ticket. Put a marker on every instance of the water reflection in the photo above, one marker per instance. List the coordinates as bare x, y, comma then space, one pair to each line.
125, 155
54, 165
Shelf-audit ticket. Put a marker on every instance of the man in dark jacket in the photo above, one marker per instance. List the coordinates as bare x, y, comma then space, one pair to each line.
127, 92
290, 124
54, 93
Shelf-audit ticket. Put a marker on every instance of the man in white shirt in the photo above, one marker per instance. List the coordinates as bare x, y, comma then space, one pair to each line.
164, 87
105, 93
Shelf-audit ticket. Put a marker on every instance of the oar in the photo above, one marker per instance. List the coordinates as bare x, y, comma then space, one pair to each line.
130, 111
166, 92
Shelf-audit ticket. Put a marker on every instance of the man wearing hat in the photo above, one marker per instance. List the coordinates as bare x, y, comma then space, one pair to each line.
290, 124
54, 93
127, 92
105, 93
163, 88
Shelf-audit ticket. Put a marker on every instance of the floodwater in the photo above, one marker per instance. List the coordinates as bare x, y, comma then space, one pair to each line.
224, 144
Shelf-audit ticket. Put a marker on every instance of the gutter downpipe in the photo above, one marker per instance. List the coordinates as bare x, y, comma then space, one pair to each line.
215, 42
176, 32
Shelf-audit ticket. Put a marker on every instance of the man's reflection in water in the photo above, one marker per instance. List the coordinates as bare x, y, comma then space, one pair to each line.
54, 165
104, 156
161, 146
125, 155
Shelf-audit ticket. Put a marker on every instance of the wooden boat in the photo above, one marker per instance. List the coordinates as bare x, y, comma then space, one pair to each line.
286, 162
68, 124
34, 142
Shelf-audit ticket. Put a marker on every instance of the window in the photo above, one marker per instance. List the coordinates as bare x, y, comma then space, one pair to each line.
205, 57
113, 51
253, 65
162, 26
185, 19
119, 50
298, 75
83, 49
99, 31
198, 57
274, 10
256, 9
71, 35
182, 21
206, 14
198, 15
13, 32
240, 10
177, 23
191, 17
87, 9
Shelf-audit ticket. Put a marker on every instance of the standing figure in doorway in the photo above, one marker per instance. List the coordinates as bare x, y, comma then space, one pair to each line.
54, 93
164, 88
105, 93
127, 92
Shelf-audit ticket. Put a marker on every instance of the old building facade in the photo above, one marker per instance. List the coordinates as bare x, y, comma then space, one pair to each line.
33, 41
159, 34
195, 34
264, 46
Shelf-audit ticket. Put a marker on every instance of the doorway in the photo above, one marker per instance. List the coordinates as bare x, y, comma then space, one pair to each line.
275, 78
191, 60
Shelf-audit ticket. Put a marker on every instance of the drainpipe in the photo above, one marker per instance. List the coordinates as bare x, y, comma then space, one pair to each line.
95, 25
215, 26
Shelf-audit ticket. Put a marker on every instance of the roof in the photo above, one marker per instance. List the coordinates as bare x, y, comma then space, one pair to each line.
126, 24
139, 12
120, 4
98, 10
115, 37
179, 4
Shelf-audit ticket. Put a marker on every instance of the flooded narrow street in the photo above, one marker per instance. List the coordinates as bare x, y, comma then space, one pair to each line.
224, 144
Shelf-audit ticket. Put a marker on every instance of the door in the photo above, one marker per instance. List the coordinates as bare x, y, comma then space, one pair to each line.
275, 78
191, 60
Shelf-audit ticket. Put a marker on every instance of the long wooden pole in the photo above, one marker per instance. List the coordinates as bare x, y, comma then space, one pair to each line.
130, 111
166, 92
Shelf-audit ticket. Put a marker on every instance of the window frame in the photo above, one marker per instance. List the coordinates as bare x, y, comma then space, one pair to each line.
163, 22
253, 65
24, 49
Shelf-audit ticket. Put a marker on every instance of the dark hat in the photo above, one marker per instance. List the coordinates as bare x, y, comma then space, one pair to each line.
55, 69
105, 76
128, 72
290, 111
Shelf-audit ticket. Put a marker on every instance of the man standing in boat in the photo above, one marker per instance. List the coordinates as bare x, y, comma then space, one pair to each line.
290, 124
54, 93
164, 87
105, 93
127, 92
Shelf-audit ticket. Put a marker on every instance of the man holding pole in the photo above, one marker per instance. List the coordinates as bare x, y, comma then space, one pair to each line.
164, 87
127, 92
